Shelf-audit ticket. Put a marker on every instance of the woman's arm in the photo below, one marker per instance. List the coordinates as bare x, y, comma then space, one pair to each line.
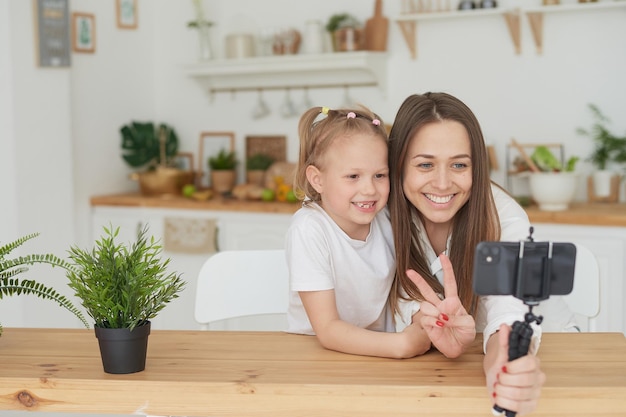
514, 385
336, 334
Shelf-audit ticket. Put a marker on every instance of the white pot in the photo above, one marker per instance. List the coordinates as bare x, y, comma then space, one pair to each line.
602, 183
553, 191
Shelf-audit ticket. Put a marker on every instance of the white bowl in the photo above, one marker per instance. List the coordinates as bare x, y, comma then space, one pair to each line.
553, 191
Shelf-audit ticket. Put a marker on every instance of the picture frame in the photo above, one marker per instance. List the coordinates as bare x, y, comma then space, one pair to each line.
210, 143
272, 145
126, 11
52, 33
83, 32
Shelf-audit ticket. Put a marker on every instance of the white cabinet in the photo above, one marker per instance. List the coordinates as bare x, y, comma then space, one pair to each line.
235, 230
608, 244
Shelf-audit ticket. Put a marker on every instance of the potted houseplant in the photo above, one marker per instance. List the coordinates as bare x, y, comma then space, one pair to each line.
554, 186
154, 150
223, 174
346, 32
122, 287
608, 148
11, 268
256, 166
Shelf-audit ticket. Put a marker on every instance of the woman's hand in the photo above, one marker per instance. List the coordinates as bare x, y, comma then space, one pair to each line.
514, 385
446, 321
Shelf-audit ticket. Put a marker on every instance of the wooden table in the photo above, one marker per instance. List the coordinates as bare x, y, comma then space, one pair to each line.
191, 373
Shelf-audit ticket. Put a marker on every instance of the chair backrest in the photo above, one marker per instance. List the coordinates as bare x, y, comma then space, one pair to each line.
584, 300
243, 290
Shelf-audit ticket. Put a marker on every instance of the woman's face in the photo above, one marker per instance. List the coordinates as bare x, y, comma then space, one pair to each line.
438, 171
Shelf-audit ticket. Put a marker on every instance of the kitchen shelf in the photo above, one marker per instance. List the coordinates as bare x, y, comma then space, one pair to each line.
535, 15
408, 23
339, 69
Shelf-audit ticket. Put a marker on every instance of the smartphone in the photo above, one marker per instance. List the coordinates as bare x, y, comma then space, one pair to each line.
531, 271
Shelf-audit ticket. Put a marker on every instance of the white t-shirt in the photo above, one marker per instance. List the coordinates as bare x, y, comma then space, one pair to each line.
321, 256
494, 310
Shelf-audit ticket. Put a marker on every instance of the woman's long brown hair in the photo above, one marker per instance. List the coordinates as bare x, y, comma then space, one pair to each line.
476, 221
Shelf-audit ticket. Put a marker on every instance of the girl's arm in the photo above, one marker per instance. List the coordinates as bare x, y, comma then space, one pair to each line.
336, 334
514, 385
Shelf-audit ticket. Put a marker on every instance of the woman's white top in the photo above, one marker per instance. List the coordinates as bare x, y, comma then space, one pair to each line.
321, 256
494, 310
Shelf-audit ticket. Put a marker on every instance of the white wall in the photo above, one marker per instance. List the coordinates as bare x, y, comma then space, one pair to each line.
62, 125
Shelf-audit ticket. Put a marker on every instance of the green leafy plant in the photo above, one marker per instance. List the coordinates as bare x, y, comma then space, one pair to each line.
122, 286
608, 147
341, 20
224, 160
545, 160
259, 161
10, 268
143, 144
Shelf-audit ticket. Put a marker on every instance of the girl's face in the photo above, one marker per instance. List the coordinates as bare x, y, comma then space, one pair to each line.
353, 181
438, 171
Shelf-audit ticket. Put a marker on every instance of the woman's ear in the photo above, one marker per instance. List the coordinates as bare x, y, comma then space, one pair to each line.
314, 176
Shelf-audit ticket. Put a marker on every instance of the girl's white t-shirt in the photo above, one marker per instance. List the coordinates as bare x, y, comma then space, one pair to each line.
320, 256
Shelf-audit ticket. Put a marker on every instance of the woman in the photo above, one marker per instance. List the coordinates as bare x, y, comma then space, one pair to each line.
442, 201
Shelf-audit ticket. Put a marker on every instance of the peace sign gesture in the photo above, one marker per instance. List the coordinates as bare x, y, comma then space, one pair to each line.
446, 321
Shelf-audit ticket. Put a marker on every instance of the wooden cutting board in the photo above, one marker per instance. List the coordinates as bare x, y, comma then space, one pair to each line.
376, 29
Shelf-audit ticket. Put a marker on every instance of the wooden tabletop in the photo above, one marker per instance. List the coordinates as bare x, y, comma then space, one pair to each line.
194, 373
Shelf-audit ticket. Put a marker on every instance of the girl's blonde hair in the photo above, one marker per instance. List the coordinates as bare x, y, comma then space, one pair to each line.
318, 128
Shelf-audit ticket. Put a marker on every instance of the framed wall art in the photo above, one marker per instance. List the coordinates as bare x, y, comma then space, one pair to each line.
126, 14
210, 144
83, 32
274, 146
52, 36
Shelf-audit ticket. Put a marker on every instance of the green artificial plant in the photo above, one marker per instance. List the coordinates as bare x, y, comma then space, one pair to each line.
10, 268
259, 161
144, 144
608, 147
122, 286
545, 160
224, 160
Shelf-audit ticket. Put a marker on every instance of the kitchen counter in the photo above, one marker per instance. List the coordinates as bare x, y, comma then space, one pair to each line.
179, 202
581, 214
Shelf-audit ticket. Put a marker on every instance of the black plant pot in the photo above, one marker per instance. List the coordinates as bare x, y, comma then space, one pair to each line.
123, 351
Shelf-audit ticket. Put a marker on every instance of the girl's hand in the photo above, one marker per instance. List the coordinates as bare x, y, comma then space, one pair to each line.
514, 385
446, 321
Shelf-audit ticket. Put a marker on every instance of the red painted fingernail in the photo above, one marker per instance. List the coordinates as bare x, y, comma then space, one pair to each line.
494, 394
444, 316
439, 323
504, 369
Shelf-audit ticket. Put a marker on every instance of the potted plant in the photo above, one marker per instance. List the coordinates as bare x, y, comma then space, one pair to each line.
346, 32
256, 165
223, 174
608, 148
122, 288
11, 268
154, 149
553, 188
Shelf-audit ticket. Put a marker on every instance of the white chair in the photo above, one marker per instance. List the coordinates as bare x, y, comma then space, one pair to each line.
243, 290
584, 300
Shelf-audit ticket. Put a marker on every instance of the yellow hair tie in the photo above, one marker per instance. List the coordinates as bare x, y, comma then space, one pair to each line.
325, 110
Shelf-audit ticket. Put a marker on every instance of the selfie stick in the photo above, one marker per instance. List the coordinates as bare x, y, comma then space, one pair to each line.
521, 332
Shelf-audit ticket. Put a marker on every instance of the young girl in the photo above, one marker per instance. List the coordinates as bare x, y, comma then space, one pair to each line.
339, 246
